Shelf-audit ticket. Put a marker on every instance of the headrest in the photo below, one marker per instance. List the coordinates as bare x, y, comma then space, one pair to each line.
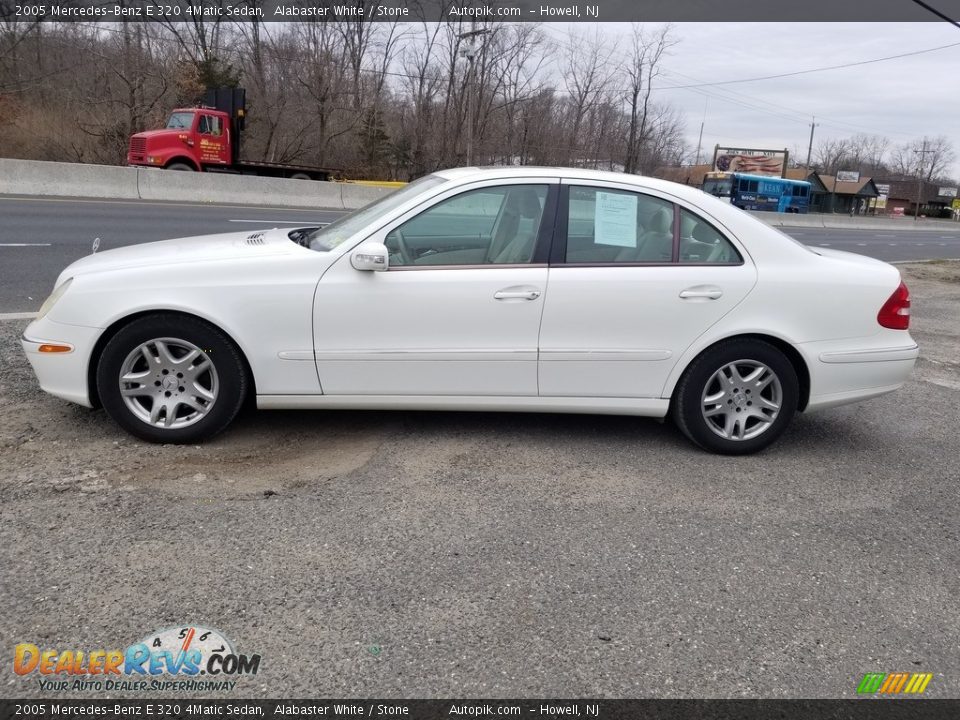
661, 221
524, 201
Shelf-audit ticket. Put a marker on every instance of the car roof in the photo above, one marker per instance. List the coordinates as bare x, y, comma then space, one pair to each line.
464, 174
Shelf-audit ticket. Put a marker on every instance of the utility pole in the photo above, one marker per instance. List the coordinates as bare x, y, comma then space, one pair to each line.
923, 157
810, 146
702, 123
469, 51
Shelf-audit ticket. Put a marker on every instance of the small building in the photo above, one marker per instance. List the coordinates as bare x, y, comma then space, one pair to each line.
827, 194
902, 197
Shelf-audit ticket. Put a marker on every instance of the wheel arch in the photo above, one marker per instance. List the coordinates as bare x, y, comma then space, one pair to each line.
789, 351
120, 323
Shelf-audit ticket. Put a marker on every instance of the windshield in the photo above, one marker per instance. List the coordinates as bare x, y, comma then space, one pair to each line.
719, 188
327, 238
180, 121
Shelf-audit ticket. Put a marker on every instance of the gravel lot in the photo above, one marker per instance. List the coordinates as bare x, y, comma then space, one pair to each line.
446, 555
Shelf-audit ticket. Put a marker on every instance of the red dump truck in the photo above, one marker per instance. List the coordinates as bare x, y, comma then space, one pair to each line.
207, 139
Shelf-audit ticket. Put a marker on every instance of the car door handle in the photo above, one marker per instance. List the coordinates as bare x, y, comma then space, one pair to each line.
706, 292
516, 295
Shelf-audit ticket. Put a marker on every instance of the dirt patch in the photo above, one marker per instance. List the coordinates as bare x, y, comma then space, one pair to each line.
49, 445
945, 271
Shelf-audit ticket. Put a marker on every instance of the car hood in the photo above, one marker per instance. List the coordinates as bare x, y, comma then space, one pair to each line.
224, 246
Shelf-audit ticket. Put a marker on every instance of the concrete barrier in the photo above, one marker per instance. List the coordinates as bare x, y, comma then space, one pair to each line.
30, 177
354, 196
857, 222
155, 184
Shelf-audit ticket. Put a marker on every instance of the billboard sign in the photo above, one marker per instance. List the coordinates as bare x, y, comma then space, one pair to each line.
848, 176
748, 160
883, 188
950, 192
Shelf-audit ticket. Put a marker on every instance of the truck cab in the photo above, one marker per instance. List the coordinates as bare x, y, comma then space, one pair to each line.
208, 138
193, 139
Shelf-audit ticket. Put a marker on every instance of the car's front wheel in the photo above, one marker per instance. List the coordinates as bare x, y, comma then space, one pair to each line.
171, 379
737, 397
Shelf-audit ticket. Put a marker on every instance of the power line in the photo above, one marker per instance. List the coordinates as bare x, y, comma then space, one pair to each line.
820, 69
936, 12
795, 116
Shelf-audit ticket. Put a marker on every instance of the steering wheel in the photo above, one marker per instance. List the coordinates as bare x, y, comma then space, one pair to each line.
402, 248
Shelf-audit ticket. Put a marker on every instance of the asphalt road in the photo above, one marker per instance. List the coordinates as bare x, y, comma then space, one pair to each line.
374, 554
884, 244
41, 236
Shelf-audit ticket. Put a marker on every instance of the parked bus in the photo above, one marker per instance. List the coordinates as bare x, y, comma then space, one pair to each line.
759, 192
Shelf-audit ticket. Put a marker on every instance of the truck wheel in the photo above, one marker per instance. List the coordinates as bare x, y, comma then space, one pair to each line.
300, 176
179, 166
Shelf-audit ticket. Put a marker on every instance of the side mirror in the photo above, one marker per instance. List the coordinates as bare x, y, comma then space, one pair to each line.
371, 256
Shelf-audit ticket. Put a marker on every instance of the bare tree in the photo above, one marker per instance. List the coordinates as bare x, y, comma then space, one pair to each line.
831, 154
868, 152
929, 156
647, 49
588, 76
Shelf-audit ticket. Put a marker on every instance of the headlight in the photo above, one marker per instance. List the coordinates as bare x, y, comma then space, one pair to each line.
52, 300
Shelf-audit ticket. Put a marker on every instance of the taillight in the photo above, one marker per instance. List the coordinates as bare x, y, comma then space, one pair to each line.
895, 313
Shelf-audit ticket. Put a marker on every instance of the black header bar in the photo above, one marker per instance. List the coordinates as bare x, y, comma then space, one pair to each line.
173, 707
481, 10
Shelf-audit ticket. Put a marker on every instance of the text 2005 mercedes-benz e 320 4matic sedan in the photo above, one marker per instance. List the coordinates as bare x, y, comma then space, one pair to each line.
506, 289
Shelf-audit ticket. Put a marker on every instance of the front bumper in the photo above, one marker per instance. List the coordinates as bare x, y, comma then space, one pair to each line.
63, 374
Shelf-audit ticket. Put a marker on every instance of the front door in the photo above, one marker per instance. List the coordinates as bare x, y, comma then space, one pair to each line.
214, 147
457, 312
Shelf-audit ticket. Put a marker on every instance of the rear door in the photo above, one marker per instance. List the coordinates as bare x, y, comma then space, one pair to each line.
634, 279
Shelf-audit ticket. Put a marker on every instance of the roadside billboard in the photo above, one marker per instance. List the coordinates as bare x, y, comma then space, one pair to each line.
848, 176
750, 160
950, 192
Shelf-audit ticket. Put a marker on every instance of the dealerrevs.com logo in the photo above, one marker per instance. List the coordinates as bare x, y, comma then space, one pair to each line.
196, 658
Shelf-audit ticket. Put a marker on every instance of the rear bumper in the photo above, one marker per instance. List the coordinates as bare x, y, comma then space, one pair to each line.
61, 374
842, 375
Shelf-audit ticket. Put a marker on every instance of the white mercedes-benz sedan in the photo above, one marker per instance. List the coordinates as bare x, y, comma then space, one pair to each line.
506, 289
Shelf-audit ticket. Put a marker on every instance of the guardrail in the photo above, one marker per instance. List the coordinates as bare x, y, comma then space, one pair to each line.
32, 177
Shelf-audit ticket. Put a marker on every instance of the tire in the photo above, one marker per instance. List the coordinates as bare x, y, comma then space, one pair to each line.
737, 397
179, 166
300, 176
171, 398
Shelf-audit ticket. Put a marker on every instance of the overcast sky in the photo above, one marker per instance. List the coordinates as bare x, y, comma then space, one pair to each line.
902, 99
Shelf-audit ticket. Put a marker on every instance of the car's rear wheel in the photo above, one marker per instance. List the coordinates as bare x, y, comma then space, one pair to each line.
171, 379
737, 397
